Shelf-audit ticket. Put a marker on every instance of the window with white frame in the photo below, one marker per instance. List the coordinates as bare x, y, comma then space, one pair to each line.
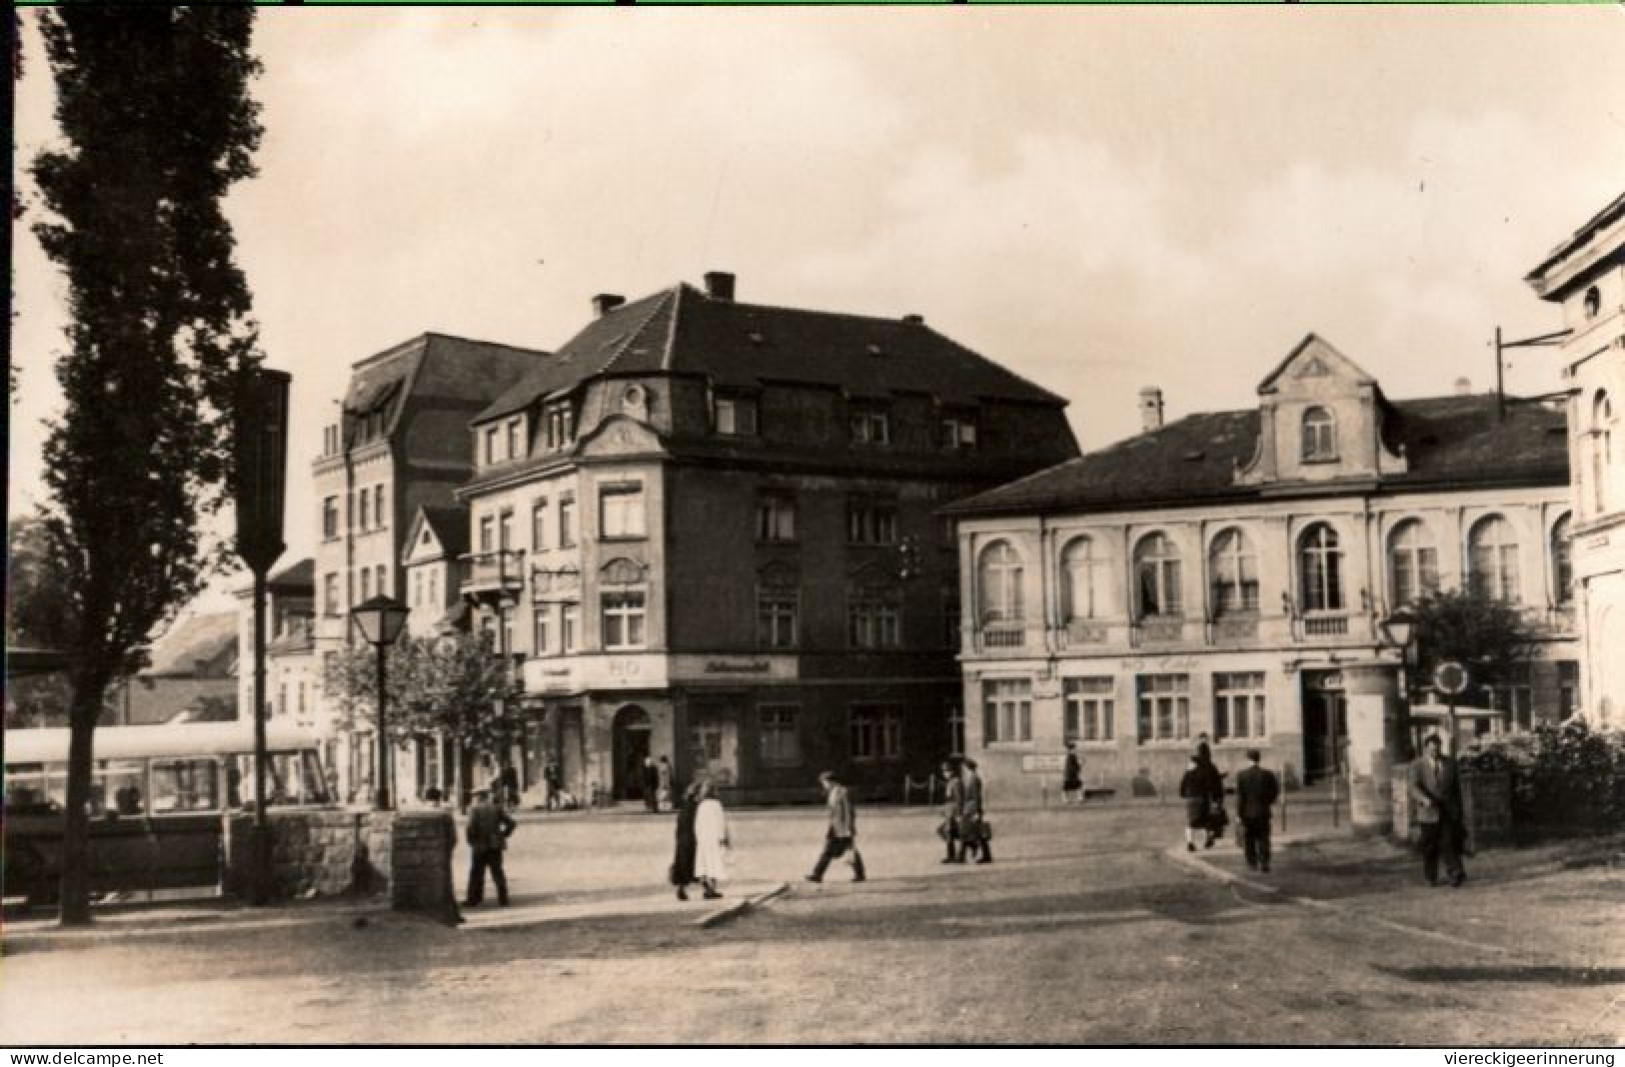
541, 616
488, 533
620, 511
775, 517
959, 430
1086, 580
1238, 706
876, 731
1233, 571
623, 618
569, 627
1157, 576
779, 727
330, 518
871, 522
538, 524
735, 416
1602, 450
516, 437
1319, 435
777, 614
1562, 563
380, 515
567, 521
1492, 555
1516, 701
330, 594
1413, 563
870, 425
1320, 569
491, 437
366, 583
1089, 711
873, 618
1000, 576
505, 530
1165, 707
558, 425
364, 504
1568, 687
1007, 711
505, 629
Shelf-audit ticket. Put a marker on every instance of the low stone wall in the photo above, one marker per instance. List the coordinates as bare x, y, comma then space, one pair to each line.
334, 852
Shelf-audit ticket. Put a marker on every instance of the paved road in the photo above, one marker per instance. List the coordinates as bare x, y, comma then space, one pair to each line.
1085, 930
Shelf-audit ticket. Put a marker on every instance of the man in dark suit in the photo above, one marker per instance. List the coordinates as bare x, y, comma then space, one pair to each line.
488, 828
1435, 786
1256, 792
841, 837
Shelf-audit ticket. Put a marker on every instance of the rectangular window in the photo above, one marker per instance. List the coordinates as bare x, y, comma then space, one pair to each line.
490, 445
488, 533
1165, 707
870, 425
569, 626
366, 583
620, 511
185, 785
959, 431
1090, 709
330, 518
1238, 706
776, 616
1007, 711
330, 594
538, 632
538, 524
561, 426
380, 517
623, 617
780, 732
736, 416
877, 731
505, 530
1568, 687
516, 442
364, 499
505, 632
873, 622
775, 517
383, 585
567, 521
871, 522
1517, 703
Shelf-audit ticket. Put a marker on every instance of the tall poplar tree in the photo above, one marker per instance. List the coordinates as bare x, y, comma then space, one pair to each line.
157, 124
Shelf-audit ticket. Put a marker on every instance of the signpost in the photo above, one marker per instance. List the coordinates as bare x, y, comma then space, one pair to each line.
1451, 679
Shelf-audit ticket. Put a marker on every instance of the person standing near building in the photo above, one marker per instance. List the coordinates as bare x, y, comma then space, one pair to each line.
1193, 790
489, 827
1072, 775
710, 841
682, 862
974, 828
953, 805
663, 785
651, 784
554, 779
1256, 792
841, 837
1435, 787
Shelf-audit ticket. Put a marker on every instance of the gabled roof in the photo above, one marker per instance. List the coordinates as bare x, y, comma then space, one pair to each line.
433, 365
449, 526
1315, 347
201, 639
1450, 442
683, 330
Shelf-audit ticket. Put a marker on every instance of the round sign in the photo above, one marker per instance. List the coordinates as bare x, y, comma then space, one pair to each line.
1451, 677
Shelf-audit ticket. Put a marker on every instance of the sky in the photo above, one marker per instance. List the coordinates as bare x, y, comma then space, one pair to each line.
1100, 198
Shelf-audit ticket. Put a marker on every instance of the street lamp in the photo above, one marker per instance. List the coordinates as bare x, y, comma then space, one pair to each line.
380, 622
1400, 628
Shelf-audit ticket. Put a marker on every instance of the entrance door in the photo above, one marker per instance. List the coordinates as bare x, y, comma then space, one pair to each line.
631, 742
1325, 728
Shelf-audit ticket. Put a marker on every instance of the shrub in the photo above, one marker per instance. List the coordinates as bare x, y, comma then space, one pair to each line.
1564, 777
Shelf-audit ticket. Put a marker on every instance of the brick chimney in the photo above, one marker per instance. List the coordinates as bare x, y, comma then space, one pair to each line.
1464, 387
719, 285
604, 303
1150, 408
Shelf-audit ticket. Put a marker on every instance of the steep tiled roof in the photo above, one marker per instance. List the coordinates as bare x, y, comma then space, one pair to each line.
433, 365
685, 331
1449, 442
450, 526
300, 575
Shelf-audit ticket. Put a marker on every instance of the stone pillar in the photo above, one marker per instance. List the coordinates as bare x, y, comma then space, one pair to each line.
420, 872
1374, 737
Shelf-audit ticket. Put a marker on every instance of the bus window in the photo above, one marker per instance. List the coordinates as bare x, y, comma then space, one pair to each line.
122, 786
28, 790
185, 785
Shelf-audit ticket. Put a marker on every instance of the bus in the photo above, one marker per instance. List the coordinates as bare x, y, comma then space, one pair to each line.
157, 798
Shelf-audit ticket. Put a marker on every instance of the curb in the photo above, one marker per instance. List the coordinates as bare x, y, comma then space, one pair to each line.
740, 907
108, 930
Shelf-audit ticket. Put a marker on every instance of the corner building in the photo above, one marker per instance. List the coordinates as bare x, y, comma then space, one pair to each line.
709, 530
1229, 574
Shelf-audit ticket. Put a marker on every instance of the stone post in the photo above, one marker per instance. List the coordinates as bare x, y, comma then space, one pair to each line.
1374, 740
420, 874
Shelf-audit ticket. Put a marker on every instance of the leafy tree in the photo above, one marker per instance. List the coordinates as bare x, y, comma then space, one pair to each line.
157, 124
1492, 638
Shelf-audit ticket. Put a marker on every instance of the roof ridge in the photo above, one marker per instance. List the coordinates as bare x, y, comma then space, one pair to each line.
626, 342
668, 358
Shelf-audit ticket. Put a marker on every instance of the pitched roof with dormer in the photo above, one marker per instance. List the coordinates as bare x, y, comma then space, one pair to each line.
683, 330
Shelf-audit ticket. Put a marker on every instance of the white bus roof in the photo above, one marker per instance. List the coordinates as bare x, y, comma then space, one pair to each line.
50, 744
1441, 712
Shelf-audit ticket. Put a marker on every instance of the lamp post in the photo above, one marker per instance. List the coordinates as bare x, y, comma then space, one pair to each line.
380, 622
1400, 629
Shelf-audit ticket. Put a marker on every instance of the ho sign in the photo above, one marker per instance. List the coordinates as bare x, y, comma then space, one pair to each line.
1451, 677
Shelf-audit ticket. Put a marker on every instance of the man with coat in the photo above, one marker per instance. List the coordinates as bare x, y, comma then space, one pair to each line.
1435, 788
1256, 792
953, 812
488, 828
843, 830
973, 829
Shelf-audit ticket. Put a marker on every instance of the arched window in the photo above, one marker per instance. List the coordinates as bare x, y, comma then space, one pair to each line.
1157, 577
1602, 449
1413, 563
1492, 552
1233, 571
999, 580
1562, 563
1320, 569
1319, 435
1086, 575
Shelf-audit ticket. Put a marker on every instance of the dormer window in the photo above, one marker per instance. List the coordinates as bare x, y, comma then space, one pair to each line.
559, 423
734, 416
1319, 436
516, 438
870, 425
959, 430
490, 445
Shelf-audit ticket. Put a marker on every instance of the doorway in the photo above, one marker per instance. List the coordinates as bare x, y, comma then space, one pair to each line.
633, 734
1325, 724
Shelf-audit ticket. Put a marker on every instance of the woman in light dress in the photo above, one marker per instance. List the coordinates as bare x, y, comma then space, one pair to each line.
710, 841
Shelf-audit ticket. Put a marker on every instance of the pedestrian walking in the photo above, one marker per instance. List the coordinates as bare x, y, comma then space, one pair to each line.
1213, 782
1072, 775
651, 784
554, 779
975, 830
1256, 792
510, 787
1435, 788
953, 805
1195, 792
682, 861
489, 827
842, 835
710, 841
663, 784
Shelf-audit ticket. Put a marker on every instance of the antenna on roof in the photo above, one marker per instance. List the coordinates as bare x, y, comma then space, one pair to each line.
1545, 340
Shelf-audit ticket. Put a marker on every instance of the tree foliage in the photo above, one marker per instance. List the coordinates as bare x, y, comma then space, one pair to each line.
1492, 638
157, 124
451, 686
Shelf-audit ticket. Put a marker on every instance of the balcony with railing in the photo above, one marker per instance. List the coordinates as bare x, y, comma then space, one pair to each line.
493, 574
1157, 630
1001, 637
